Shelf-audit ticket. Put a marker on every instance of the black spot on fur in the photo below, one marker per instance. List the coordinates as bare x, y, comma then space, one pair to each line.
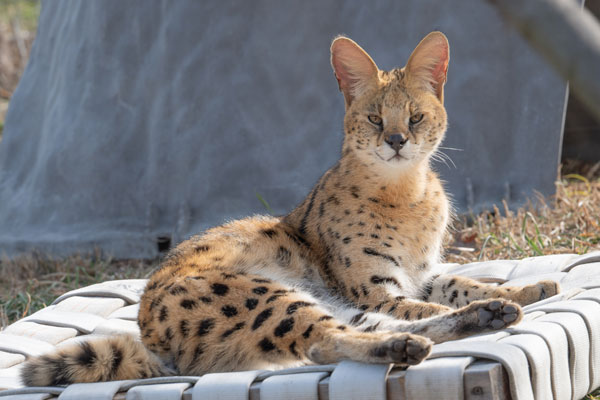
197, 353
229, 311
175, 290
364, 289
164, 314
251, 304
205, 299
201, 248
261, 318
377, 308
269, 232
292, 308
188, 303
184, 327
453, 296
228, 276
304, 220
378, 280
283, 256
428, 288
266, 345
260, 280
372, 252
236, 327
205, 326
451, 283
298, 239
355, 320
371, 328
169, 333
354, 292
274, 297
260, 290
306, 333
117, 358
219, 289
325, 318
156, 302
87, 357
293, 349
284, 327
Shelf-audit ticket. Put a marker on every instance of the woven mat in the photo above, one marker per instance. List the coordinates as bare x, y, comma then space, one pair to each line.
553, 354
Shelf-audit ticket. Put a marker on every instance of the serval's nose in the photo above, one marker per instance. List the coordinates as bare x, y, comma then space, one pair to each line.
396, 141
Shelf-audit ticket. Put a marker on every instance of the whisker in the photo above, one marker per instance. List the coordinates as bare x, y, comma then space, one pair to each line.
450, 148
438, 158
444, 155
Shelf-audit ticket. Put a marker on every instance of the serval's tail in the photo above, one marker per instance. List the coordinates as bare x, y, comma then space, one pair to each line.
99, 360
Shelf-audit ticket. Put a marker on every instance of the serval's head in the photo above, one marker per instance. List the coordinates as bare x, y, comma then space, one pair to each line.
395, 119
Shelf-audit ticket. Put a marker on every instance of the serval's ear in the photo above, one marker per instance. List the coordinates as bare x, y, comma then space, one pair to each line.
428, 63
354, 70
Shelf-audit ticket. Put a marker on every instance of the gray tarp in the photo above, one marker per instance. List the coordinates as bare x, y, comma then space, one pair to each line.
139, 119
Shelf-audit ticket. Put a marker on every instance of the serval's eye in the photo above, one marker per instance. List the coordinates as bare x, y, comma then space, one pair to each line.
416, 118
376, 119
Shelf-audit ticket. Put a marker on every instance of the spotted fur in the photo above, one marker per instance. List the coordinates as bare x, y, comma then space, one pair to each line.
346, 275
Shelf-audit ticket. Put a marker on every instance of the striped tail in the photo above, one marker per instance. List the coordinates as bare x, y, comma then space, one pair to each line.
99, 360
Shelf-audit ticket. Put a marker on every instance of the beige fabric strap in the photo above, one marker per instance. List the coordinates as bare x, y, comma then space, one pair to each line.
129, 290
83, 322
356, 381
584, 259
539, 360
32, 396
579, 349
488, 271
91, 391
589, 311
439, 378
161, 391
558, 345
512, 358
224, 386
23, 345
294, 386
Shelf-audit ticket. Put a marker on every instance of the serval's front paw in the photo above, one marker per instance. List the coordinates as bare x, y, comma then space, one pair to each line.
531, 293
405, 349
487, 315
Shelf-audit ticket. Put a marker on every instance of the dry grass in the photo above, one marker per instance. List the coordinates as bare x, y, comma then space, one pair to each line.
30, 283
569, 222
